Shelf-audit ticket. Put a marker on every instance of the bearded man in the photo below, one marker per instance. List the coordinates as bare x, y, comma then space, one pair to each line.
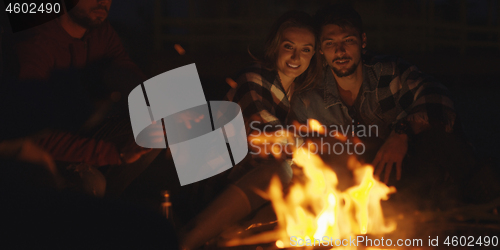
79, 37
410, 111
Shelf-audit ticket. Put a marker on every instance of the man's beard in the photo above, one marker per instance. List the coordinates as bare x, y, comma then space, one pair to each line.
80, 17
347, 72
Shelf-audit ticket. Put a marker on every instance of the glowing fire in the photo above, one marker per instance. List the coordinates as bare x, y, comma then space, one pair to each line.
315, 207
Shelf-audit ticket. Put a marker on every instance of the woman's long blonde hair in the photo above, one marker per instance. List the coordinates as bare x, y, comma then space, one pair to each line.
296, 19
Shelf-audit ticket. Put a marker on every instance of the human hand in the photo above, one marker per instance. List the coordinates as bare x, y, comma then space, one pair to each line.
133, 152
187, 117
154, 135
275, 143
25, 150
393, 151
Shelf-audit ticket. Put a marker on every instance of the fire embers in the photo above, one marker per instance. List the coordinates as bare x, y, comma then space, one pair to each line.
315, 205
316, 208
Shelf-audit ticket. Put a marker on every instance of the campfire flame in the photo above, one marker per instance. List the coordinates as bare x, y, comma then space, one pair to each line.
315, 207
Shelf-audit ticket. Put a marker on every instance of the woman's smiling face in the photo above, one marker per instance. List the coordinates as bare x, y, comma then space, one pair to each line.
294, 53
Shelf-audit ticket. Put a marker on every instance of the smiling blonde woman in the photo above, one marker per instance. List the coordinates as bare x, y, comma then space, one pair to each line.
289, 64
263, 91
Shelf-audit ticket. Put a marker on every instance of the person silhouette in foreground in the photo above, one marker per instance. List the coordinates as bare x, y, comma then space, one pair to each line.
81, 39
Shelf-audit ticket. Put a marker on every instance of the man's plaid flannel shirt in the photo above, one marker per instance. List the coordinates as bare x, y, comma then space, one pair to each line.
392, 90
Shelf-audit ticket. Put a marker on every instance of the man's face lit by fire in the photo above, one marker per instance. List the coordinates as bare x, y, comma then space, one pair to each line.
90, 13
342, 48
295, 52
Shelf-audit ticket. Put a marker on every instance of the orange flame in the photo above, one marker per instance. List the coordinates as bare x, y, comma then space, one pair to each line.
315, 126
315, 208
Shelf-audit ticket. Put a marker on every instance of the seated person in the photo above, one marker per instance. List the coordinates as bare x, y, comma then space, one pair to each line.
406, 107
82, 39
263, 92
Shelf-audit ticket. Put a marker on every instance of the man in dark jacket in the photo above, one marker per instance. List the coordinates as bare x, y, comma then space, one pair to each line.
81, 39
76, 39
